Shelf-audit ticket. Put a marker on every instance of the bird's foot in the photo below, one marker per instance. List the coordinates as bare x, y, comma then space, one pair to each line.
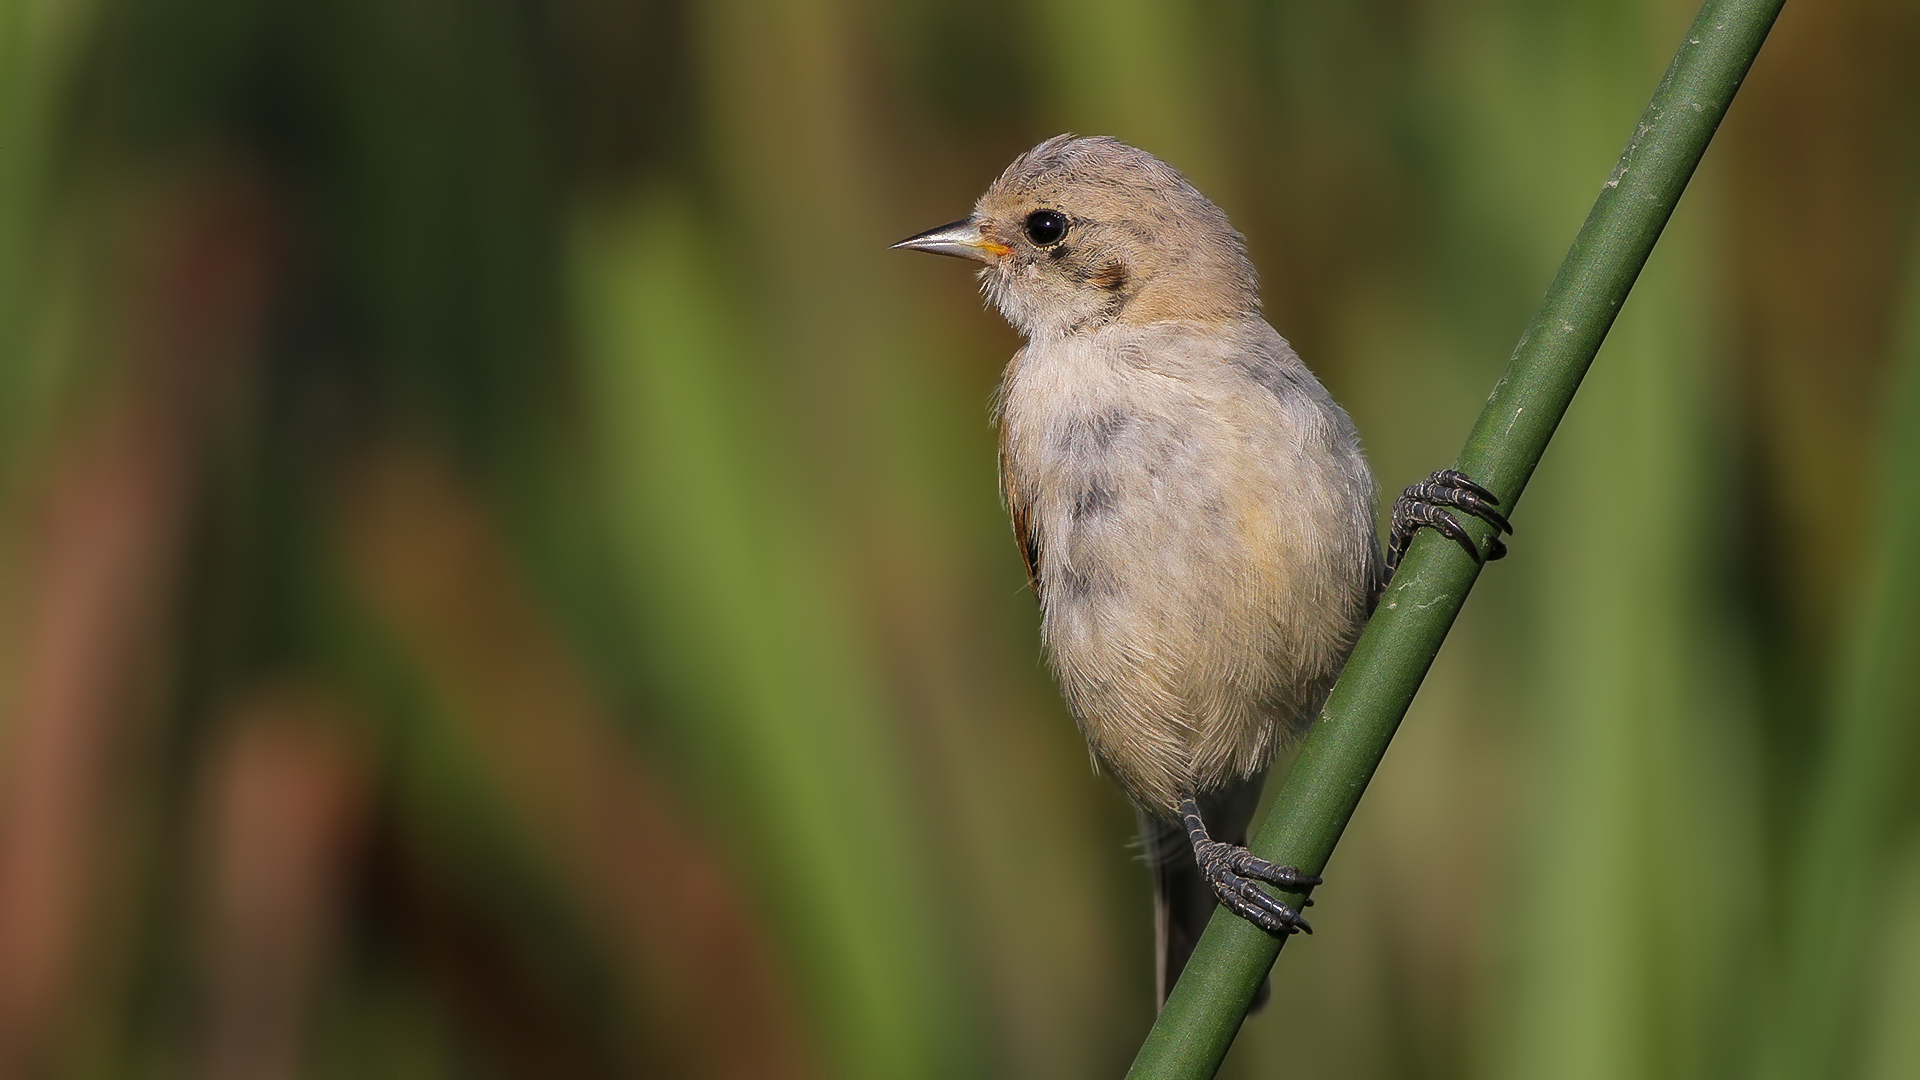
1425, 505
1234, 873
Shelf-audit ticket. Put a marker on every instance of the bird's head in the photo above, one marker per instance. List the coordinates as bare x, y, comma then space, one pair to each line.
1079, 233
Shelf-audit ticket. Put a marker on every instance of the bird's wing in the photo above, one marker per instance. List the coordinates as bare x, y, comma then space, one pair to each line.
1023, 534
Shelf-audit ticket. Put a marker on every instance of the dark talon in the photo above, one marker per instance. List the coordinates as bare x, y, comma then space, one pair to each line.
1426, 505
1250, 865
1245, 899
1233, 872
1460, 480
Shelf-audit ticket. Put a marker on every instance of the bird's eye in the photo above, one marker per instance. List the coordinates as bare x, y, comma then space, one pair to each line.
1046, 227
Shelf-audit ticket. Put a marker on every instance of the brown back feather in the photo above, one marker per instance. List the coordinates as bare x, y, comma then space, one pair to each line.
1023, 536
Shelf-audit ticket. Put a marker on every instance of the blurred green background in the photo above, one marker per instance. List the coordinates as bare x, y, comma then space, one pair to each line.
501, 576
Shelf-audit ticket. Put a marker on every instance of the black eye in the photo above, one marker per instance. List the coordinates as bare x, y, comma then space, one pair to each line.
1046, 227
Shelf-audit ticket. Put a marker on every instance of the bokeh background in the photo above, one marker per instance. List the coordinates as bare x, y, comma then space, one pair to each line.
501, 576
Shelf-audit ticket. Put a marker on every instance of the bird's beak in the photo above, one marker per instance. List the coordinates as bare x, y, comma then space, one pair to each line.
959, 238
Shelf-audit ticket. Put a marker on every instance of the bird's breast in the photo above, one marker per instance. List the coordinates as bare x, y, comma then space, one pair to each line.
1200, 543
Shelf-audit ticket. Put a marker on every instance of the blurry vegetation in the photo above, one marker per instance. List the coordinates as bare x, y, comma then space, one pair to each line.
500, 572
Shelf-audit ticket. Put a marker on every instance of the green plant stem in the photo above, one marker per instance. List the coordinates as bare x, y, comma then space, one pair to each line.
1206, 1008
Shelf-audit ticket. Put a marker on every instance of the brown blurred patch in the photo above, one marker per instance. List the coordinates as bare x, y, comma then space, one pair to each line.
1823, 213
287, 805
104, 532
702, 968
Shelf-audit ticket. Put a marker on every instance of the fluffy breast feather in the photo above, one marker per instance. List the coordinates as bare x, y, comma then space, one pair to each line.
1196, 518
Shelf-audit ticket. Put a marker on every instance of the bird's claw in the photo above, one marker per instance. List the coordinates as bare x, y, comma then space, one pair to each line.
1235, 873
1425, 505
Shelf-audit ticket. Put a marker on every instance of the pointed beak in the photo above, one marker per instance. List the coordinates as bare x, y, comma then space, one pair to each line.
961, 239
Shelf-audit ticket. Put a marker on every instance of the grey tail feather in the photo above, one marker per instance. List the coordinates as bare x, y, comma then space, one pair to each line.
1182, 900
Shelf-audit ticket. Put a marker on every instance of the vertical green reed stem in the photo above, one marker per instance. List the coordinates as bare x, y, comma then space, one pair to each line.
1853, 808
1205, 1011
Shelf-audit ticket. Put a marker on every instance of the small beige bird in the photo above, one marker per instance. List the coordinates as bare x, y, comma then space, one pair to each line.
1194, 510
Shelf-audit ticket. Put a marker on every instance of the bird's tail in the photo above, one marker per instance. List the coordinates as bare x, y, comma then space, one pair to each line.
1183, 902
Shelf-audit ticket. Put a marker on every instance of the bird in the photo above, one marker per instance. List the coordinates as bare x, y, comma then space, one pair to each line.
1194, 510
